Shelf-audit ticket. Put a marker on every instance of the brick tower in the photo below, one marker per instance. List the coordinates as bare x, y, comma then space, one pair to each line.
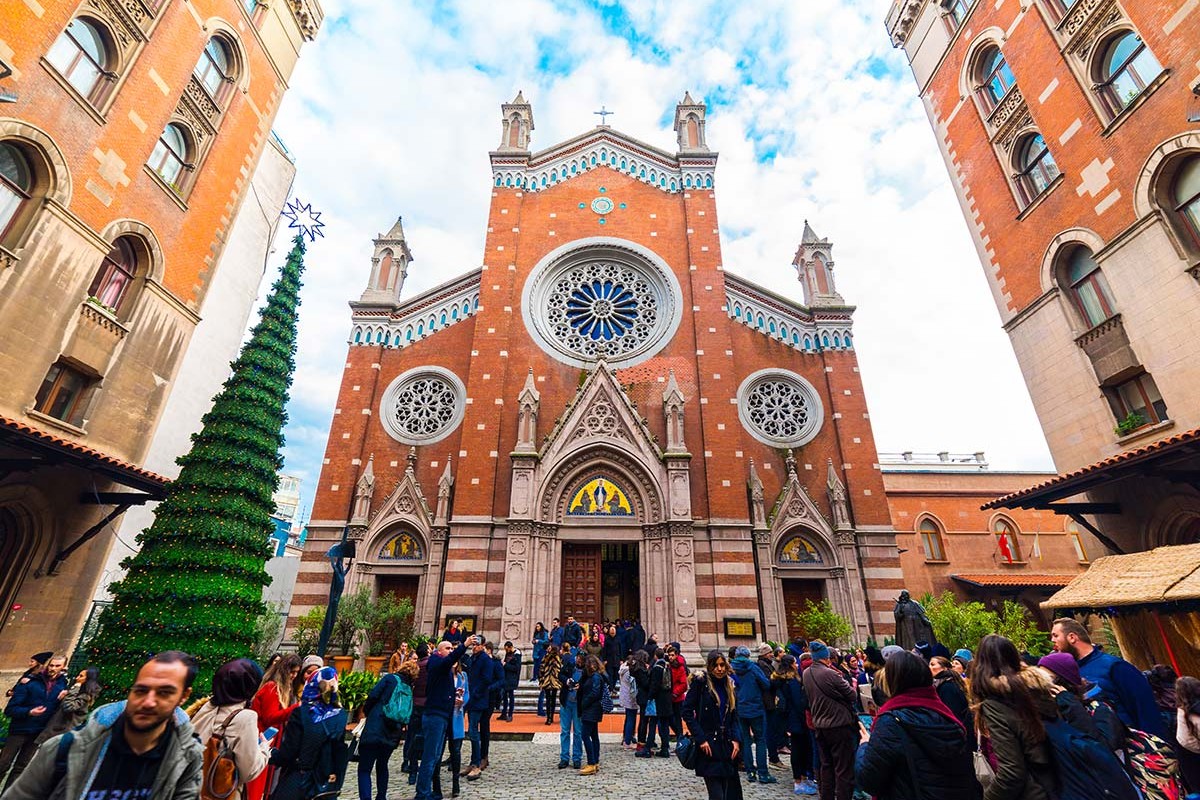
601, 421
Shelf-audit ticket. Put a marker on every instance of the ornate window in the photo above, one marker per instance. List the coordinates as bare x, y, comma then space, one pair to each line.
423, 405
1088, 288
599, 497
1006, 540
995, 76
401, 547
799, 550
215, 69
1126, 68
171, 155
610, 300
931, 540
1186, 196
1036, 169
81, 54
16, 185
780, 408
64, 393
116, 274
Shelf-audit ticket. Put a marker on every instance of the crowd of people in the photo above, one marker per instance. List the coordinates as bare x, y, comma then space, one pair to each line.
892, 724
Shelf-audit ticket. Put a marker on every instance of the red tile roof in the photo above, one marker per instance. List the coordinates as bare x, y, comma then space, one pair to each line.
1016, 580
11, 428
1092, 471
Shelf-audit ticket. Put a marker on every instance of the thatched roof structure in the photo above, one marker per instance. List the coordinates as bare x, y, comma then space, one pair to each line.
1161, 575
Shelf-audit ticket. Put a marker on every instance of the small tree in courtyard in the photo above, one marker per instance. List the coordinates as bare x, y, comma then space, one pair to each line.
820, 621
196, 583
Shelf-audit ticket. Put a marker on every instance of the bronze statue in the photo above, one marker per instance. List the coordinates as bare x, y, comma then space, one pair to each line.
912, 625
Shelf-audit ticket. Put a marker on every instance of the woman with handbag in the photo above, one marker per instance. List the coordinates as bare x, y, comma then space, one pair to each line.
549, 681
590, 711
710, 714
791, 703
274, 702
227, 716
312, 758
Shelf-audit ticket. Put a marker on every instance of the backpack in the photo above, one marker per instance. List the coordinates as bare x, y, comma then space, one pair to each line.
220, 776
665, 683
1151, 764
1085, 769
606, 701
399, 705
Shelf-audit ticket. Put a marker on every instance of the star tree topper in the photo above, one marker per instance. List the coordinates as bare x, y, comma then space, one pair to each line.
301, 216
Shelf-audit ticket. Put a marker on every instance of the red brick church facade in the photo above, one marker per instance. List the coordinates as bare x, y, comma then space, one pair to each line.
601, 420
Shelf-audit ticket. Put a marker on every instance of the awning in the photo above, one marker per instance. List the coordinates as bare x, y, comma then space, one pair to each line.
1014, 580
1154, 458
1153, 577
50, 449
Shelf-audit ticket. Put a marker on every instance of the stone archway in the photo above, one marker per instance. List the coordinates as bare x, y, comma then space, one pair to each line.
18, 541
806, 566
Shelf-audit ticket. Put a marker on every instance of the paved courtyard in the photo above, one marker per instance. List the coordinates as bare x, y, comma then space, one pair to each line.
523, 770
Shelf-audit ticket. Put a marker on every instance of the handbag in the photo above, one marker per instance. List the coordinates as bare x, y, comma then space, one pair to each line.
983, 770
651, 708
685, 751
606, 701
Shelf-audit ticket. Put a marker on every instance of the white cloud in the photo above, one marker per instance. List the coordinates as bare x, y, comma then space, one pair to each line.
394, 108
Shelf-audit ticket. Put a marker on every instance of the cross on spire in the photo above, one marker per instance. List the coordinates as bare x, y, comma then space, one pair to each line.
603, 114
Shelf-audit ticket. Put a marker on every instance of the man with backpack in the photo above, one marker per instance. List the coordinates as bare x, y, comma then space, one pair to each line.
388, 709
142, 747
1118, 683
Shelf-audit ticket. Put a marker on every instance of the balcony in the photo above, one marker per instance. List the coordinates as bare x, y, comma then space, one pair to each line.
1108, 348
96, 337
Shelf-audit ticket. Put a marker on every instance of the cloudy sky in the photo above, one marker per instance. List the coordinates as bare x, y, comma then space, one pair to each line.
392, 111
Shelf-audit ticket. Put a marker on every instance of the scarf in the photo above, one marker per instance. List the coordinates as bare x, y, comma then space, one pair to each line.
235, 683
923, 697
320, 694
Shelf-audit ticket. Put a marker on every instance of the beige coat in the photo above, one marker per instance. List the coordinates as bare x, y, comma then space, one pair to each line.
250, 752
1186, 740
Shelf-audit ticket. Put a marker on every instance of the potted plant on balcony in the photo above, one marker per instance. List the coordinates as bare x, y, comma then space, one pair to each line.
1131, 423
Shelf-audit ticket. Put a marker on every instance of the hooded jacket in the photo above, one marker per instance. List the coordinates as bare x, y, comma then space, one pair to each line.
916, 753
178, 776
752, 684
1024, 770
626, 688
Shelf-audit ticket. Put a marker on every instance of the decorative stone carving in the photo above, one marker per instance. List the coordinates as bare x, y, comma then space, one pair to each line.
673, 411
364, 490
687, 632
445, 484
520, 492
517, 547
528, 402
837, 573
845, 537
365, 569
204, 103
758, 509
762, 537
837, 499
682, 548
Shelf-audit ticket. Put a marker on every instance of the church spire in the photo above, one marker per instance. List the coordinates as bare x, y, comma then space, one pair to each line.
389, 267
516, 124
689, 125
814, 269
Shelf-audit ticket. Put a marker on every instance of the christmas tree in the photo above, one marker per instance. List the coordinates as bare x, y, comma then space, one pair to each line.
196, 584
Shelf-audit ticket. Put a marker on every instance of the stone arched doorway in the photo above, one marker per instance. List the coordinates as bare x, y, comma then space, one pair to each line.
395, 560
17, 545
806, 568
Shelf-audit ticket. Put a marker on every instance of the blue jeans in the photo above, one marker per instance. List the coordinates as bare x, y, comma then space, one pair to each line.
474, 720
570, 739
756, 727
629, 736
591, 741
373, 756
433, 727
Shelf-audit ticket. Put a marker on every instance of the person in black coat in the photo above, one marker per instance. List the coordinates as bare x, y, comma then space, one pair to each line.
588, 703
952, 690
312, 757
710, 714
512, 677
379, 738
918, 748
663, 706
791, 702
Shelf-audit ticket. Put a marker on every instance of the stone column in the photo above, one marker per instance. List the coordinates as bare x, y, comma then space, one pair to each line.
514, 618
683, 577
656, 613
774, 622
427, 616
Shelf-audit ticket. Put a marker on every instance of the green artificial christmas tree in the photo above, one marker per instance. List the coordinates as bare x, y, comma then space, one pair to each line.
196, 584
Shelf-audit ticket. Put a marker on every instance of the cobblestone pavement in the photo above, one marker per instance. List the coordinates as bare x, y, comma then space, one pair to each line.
528, 770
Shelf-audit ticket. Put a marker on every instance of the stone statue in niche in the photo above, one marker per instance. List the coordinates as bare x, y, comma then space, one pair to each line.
912, 624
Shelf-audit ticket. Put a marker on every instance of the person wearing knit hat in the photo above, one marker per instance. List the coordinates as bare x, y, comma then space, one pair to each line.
819, 650
890, 650
964, 654
1064, 666
1102, 724
309, 667
834, 722
37, 662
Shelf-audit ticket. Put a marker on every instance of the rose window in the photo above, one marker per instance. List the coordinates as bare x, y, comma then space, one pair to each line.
779, 408
422, 405
601, 303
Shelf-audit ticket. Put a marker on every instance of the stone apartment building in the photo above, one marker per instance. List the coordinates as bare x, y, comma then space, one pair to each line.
126, 149
602, 419
1071, 132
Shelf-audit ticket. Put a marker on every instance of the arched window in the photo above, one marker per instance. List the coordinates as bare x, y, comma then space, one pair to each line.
82, 56
171, 155
956, 12
1089, 289
214, 70
995, 76
16, 185
1036, 169
1185, 193
931, 540
1126, 67
117, 271
1006, 540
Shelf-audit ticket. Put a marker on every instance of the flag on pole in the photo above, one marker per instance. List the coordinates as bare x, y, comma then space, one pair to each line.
1002, 543
1037, 545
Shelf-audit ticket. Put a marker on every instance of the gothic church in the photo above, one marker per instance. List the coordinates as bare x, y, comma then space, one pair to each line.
601, 420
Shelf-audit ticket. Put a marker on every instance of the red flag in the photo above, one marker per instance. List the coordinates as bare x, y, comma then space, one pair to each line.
1005, 550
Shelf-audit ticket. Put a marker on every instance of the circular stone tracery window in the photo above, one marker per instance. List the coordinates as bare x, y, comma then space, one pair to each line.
779, 408
422, 405
601, 298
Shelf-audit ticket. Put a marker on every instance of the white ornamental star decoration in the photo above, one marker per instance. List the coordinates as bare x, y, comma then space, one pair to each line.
301, 216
